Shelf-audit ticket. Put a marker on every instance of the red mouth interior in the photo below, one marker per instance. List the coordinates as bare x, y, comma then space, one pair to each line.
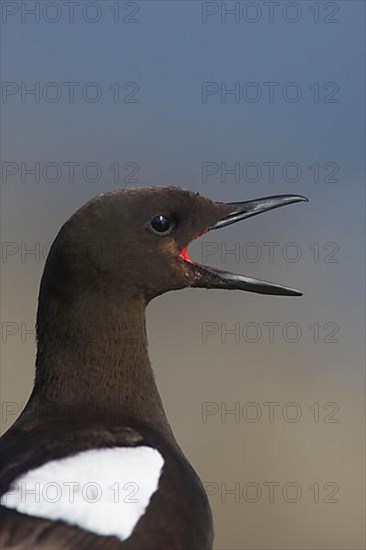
184, 253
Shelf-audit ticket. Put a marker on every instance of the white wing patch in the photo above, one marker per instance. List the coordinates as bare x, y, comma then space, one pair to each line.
105, 491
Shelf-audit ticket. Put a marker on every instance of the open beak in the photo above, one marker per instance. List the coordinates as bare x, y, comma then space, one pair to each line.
210, 277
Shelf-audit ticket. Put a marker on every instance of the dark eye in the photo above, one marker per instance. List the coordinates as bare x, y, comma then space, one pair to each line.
161, 224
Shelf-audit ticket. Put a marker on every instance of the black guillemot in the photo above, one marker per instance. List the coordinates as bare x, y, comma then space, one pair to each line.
92, 462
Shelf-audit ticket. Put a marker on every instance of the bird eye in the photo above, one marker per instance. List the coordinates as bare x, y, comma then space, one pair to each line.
161, 224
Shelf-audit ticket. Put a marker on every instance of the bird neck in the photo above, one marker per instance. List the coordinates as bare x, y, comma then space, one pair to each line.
93, 364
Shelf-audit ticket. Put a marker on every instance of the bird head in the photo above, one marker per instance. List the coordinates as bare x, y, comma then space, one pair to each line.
135, 241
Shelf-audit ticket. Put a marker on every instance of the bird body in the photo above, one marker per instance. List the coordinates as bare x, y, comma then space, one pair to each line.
93, 443
178, 515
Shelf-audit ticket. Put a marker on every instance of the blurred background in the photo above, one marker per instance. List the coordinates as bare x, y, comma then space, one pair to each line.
235, 100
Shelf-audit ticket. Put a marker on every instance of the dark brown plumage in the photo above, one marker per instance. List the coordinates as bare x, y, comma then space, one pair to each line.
94, 386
